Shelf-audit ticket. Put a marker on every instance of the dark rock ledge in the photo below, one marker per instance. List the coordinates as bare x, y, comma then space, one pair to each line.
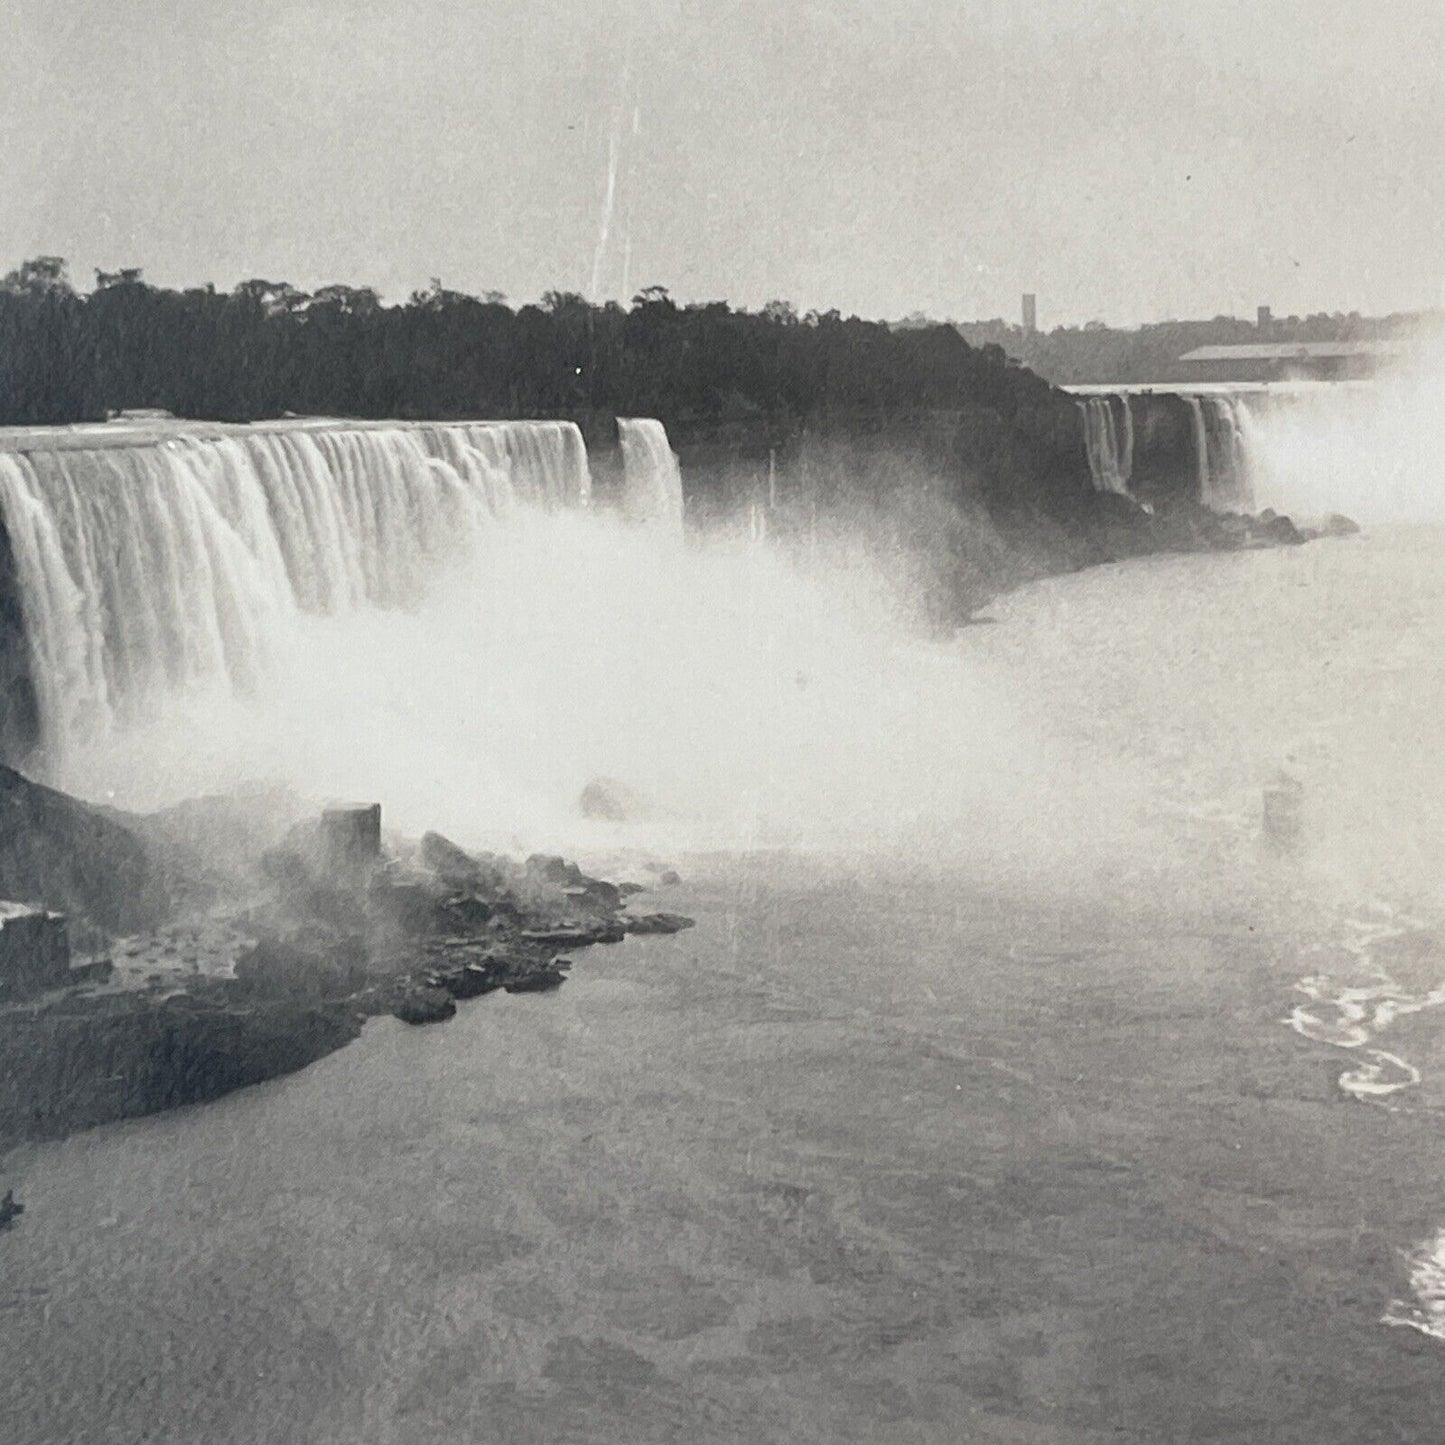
255, 950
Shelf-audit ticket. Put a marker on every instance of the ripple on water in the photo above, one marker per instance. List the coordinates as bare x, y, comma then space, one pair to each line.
1351, 1016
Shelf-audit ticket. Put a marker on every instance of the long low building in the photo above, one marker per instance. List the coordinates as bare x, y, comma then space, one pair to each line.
1273, 361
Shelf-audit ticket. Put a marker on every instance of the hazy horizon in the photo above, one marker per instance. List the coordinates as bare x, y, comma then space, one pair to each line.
1124, 162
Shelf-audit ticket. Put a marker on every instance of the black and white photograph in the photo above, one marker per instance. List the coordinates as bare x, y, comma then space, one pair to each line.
722, 722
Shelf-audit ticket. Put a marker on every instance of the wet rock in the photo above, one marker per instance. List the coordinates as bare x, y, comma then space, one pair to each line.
308, 964
628, 890
1283, 813
350, 840
34, 950
10, 1211
464, 914
610, 801
483, 874
540, 978
88, 1059
597, 893
647, 923
98, 970
552, 869
424, 906
467, 980
570, 936
1277, 529
86, 861
424, 1005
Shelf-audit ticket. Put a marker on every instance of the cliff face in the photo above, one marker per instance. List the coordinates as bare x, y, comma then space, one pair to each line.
86, 1061
19, 713
65, 854
959, 504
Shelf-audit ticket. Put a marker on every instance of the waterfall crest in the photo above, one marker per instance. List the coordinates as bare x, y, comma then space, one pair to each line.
1218, 454
1224, 451
172, 559
651, 481
1109, 444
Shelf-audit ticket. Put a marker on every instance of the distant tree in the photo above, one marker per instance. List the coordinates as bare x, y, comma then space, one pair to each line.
274, 298
128, 276
654, 296
348, 300
781, 313
39, 276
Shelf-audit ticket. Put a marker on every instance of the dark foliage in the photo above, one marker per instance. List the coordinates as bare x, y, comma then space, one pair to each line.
266, 348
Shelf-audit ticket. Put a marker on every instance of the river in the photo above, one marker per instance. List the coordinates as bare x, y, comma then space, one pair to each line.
922, 1144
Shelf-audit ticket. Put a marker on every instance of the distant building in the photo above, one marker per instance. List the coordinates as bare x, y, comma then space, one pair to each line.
1031, 313
1307, 360
1263, 316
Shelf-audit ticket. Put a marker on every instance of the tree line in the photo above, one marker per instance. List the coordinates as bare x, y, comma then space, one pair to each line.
266, 348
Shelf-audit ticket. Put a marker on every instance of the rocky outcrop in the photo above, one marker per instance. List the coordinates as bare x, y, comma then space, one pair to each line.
58, 852
336, 934
79, 1062
34, 950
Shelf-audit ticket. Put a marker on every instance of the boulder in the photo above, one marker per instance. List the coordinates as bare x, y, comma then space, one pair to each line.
350, 840
421, 1004
1338, 525
610, 801
541, 978
307, 964
61, 853
644, 923
1283, 813
551, 869
482, 873
597, 893
34, 950
467, 980
1277, 529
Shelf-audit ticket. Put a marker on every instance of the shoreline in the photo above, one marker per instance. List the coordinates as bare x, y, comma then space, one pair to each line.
309, 944
317, 947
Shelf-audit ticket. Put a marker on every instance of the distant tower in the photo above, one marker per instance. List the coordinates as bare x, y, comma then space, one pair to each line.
1262, 317
1031, 313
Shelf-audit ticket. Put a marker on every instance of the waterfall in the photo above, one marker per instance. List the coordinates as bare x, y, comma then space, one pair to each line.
169, 561
1111, 462
1224, 451
651, 481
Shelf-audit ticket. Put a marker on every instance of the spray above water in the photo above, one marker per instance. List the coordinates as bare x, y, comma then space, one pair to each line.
436, 617
1371, 450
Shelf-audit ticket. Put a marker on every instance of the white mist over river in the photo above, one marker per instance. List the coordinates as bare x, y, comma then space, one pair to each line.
1003, 1091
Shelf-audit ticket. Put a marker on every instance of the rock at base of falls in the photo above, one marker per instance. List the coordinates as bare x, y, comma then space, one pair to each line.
277, 960
34, 950
609, 801
644, 923
350, 839
61, 853
1283, 813
423, 1005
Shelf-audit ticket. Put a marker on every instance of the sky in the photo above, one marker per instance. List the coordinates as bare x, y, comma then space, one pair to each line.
1127, 161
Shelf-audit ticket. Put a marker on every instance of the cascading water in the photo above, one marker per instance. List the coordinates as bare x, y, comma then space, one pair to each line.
1224, 451
1223, 445
1111, 456
431, 616
171, 562
651, 480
